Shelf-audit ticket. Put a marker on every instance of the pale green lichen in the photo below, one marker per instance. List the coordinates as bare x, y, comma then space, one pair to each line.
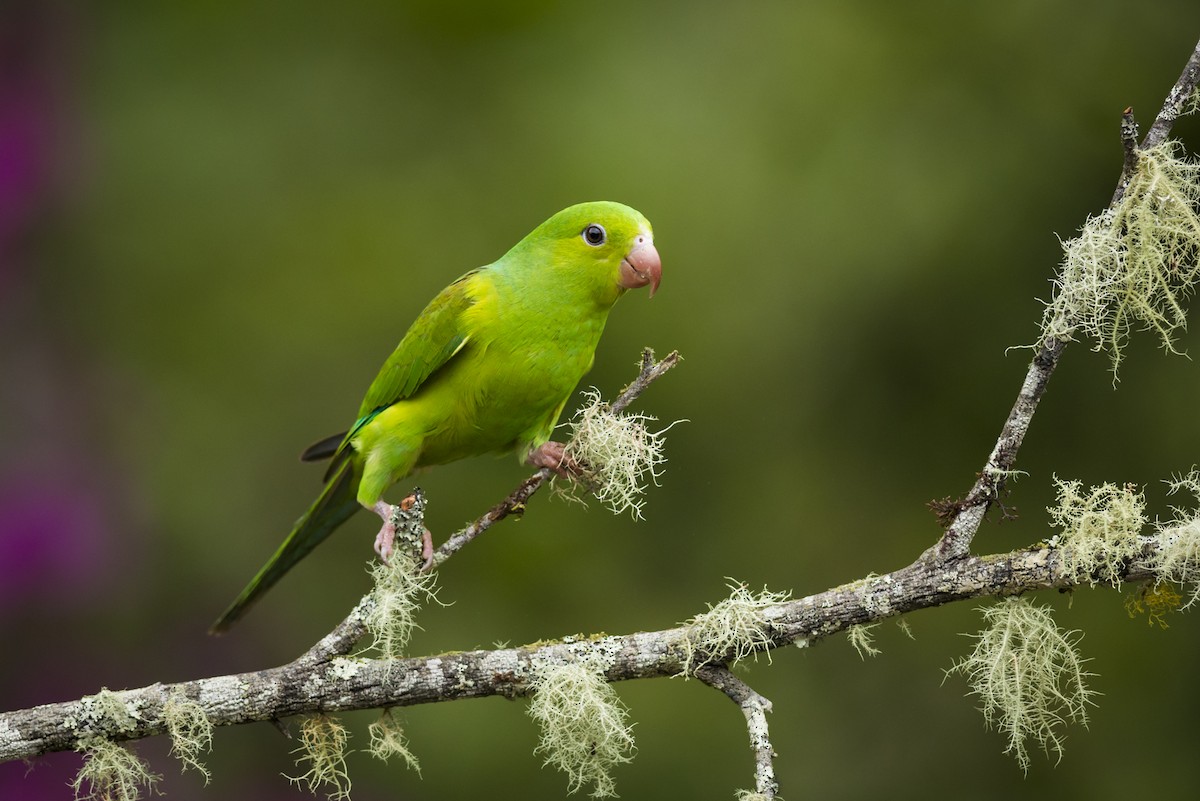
323, 749
874, 591
752, 795
1178, 555
400, 592
585, 728
106, 711
1134, 265
111, 772
619, 454
1029, 677
863, 640
733, 629
1191, 104
190, 730
1100, 529
345, 668
902, 624
1005, 475
388, 740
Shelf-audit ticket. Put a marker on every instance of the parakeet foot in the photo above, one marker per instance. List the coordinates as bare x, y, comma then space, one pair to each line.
553, 457
385, 540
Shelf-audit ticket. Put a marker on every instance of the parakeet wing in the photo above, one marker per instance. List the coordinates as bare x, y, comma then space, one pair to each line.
434, 338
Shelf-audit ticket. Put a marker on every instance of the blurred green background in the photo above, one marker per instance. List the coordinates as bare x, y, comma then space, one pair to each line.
229, 213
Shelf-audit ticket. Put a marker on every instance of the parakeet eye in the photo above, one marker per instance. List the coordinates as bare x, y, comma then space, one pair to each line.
594, 235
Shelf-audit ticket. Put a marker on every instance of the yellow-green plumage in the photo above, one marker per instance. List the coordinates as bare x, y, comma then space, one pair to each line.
486, 367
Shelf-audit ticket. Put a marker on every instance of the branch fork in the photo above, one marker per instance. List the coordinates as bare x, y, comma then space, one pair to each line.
755, 708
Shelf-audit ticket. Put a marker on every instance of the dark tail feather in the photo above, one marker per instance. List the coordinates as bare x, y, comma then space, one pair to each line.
335, 505
323, 449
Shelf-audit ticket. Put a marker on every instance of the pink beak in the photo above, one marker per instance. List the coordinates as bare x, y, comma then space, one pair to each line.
641, 266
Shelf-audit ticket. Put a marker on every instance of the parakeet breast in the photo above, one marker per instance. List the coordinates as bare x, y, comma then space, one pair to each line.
525, 352
508, 392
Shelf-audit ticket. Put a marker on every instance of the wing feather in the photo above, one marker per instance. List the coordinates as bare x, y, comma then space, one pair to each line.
436, 337
438, 334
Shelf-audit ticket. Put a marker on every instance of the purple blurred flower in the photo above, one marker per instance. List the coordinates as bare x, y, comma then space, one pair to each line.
51, 545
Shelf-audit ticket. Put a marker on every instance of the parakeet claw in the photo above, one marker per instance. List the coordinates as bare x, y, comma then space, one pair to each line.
553, 457
385, 540
426, 549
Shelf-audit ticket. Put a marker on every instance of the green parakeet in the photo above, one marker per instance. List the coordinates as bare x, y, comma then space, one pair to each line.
486, 367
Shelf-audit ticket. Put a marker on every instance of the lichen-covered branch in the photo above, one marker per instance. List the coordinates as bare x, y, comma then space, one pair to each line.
1175, 103
955, 542
321, 680
755, 708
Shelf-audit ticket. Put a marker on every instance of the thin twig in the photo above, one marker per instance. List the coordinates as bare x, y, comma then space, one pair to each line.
1129, 143
755, 707
1176, 100
651, 371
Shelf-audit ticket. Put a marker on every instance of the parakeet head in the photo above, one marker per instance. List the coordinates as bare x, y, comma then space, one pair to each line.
604, 245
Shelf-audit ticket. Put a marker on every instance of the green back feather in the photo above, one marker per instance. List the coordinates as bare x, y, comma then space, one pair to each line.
432, 340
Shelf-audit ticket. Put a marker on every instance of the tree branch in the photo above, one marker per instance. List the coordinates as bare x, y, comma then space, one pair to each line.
755, 707
322, 681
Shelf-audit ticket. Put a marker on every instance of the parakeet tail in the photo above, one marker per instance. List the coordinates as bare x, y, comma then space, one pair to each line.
323, 449
334, 506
